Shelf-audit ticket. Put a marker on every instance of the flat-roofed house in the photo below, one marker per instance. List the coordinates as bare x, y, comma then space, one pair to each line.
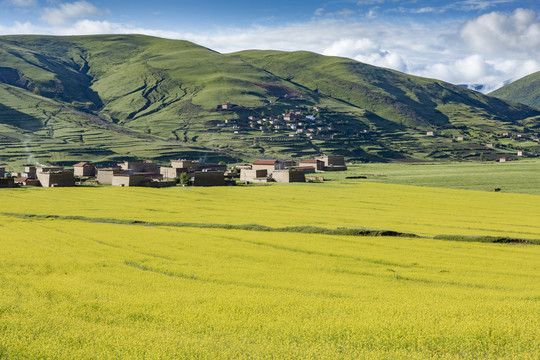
105, 174
305, 169
318, 165
139, 166
178, 167
84, 169
29, 172
48, 169
129, 179
209, 178
27, 181
269, 165
250, 175
333, 162
288, 176
55, 176
190, 165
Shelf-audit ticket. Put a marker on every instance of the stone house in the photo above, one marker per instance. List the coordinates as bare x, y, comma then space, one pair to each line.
333, 162
123, 179
27, 181
84, 169
55, 176
305, 169
29, 172
178, 167
139, 166
269, 165
105, 175
288, 176
250, 175
317, 165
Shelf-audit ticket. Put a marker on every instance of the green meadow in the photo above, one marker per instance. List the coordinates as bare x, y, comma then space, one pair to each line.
516, 176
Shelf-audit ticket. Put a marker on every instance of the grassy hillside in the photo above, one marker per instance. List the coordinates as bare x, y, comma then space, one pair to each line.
108, 97
90, 289
525, 90
404, 99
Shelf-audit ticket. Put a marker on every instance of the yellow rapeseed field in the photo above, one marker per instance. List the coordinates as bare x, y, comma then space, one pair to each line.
93, 290
420, 210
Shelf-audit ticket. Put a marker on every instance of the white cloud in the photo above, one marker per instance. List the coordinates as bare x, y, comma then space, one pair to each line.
22, 3
469, 5
69, 12
502, 34
365, 50
369, 2
19, 28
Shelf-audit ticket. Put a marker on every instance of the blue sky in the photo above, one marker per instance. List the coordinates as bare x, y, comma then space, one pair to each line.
463, 42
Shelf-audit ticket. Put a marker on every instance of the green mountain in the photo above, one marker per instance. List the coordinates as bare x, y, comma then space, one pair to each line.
112, 97
525, 90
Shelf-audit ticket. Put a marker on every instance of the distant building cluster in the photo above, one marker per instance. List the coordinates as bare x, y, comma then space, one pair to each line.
298, 124
262, 171
148, 174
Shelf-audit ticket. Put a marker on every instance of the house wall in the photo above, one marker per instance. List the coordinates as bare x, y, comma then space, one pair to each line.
171, 172
56, 179
104, 176
159, 184
127, 180
139, 166
330, 160
7, 183
333, 162
89, 170
48, 169
249, 175
288, 176
318, 164
30, 172
209, 178
269, 168
186, 164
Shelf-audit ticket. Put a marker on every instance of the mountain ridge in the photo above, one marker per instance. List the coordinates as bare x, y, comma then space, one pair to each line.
525, 90
105, 92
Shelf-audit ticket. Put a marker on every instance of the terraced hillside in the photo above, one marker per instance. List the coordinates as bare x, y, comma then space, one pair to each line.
110, 97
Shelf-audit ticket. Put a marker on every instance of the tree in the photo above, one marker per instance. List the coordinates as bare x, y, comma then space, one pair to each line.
184, 179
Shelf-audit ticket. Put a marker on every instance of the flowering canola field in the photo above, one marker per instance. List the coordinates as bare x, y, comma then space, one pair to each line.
75, 289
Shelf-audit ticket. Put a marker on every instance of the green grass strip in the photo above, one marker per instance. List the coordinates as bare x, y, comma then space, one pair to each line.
488, 239
248, 227
290, 229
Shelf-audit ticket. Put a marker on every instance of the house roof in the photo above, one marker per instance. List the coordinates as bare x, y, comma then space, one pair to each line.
82, 164
265, 162
314, 161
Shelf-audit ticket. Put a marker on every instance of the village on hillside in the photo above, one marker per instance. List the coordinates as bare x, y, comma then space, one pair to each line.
183, 172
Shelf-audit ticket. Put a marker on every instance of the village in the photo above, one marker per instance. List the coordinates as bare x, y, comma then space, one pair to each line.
180, 172
302, 122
